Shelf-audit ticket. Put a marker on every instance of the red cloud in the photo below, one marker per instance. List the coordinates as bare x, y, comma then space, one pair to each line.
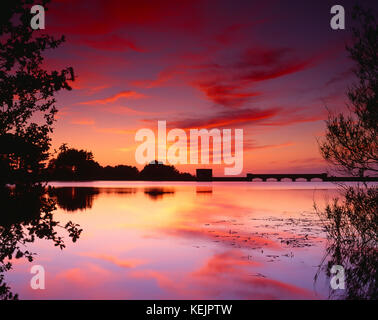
111, 43
101, 17
243, 117
229, 34
226, 95
113, 98
223, 119
228, 118
163, 77
230, 84
276, 71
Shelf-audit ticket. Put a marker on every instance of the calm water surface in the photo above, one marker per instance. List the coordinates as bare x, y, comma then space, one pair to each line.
147, 240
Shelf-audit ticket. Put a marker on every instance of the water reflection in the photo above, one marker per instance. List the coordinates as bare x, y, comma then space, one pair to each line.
352, 226
72, 199
201, 190
156, 193
26, 214
188, 241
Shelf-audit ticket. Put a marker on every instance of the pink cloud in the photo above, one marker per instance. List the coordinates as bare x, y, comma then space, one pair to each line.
123, 263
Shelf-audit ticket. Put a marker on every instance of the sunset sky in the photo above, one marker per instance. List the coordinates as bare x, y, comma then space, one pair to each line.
268, 67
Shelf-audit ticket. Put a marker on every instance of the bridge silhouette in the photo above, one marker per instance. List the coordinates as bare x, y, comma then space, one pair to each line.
307, 177
207, 175
290, 176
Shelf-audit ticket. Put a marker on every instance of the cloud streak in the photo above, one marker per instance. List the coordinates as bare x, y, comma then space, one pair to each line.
116, 97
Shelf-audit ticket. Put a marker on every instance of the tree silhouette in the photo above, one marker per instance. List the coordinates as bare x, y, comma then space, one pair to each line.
73, 164
351, 145
120, 172
160, 171
26, 91
27, 214
351, 142
352, 225
26, 94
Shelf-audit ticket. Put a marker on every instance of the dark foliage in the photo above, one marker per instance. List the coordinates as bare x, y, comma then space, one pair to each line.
352, 229
159, 171
120, 172
27, 114
27, 214
79, 165
26, 93
72, 164
351, 145
351, 142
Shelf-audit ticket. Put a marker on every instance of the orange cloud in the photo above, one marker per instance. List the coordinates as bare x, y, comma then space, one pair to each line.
116, 130
83, 122
113, 98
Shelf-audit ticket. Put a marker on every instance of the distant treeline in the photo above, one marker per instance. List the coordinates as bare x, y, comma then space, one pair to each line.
77, 165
